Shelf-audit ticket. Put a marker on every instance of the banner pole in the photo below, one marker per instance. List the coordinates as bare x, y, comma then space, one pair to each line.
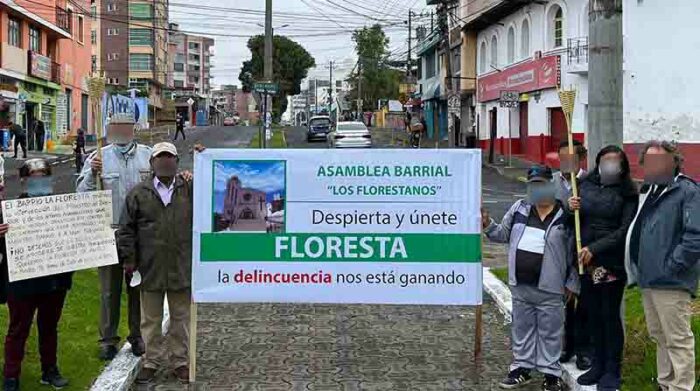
193, 342
478, 331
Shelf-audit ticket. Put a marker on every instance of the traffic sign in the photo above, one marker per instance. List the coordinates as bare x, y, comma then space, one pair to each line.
190, 101
266, 87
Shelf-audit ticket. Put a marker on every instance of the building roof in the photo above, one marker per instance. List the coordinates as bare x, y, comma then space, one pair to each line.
38, 19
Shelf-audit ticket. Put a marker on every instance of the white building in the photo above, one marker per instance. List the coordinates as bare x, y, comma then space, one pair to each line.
533, 50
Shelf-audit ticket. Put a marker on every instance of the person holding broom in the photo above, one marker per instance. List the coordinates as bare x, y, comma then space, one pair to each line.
607, 204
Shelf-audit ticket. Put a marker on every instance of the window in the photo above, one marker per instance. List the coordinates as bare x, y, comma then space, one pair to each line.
193, 46
179, 67
93, 37
179, 84
511, 45
112, 32
494, 52
14, 32
140, 62
140, 11
140, 37
525, 39
112, 56
34, 39
482, 58
558, 27
93, 12
430, 68
81, 29
94, 63
111, 7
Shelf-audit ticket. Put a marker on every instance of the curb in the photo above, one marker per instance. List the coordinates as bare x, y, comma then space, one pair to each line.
120, 374
501, 295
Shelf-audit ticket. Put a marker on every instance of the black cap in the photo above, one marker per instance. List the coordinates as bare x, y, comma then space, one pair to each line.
539, 174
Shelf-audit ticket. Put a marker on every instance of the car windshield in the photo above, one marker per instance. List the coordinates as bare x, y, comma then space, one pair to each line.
351, 127
320, 122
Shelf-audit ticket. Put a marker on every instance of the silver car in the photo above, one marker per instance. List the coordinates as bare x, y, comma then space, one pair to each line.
350, 135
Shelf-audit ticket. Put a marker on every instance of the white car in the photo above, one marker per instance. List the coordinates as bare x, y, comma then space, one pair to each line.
350, 135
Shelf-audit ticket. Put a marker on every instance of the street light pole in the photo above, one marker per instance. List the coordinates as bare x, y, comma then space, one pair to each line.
267, 66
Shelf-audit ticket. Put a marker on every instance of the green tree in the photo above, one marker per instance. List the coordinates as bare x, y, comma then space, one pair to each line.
290, 65
379, 79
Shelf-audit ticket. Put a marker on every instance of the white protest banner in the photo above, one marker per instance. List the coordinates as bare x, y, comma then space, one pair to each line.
59, 234
331, 226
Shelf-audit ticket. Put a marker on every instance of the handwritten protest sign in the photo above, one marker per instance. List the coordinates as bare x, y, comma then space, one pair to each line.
59, 234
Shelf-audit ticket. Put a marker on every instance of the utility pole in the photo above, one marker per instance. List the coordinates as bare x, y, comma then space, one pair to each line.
316, 95
330, 89
605, 76
408, 60
359, 89
267, 66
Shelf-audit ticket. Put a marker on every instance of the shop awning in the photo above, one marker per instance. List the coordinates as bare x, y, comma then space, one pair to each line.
432, 91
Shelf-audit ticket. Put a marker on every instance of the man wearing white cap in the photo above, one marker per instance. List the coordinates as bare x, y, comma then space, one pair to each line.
155, 240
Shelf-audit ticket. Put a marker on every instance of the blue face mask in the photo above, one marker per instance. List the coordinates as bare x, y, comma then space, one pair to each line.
541, 192
39, 186
124, 148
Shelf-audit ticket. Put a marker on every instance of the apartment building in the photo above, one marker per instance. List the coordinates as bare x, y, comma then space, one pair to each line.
225, 99
191, 63
45, 63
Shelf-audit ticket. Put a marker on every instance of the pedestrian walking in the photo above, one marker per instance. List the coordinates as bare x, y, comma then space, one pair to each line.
662, 258
20, 136
607, 204
179, 127
577, 331
155, 238
540, 276
124, 164
31, 136
39, 134
42, 297
79, 150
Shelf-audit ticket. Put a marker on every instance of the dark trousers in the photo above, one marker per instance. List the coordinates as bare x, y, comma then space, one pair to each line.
111, 281
48, 308
179, 130
40, 141
608, 333
78, 162
578, 334
21, 141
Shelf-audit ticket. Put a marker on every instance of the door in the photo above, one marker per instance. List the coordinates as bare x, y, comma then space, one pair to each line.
493, 118
84, 111
524, 130
557, 128
69, 110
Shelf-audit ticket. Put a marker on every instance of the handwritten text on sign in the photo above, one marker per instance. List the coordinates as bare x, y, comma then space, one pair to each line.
59, 234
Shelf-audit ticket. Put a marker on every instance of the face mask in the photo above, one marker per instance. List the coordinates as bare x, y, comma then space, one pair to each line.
609, 172
540, 193
39, 186
124, 148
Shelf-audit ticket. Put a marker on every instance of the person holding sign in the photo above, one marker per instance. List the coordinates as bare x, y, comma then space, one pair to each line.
120, 166
155, 239
540, 274
41, 296
607, 203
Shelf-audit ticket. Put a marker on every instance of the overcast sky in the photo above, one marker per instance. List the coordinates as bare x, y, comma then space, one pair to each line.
323, 27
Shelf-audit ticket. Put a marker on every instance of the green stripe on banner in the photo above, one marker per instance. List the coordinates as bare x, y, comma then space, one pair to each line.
329, 247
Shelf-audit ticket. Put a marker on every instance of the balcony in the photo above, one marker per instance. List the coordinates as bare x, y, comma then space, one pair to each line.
577, 55
43, 67
63, 19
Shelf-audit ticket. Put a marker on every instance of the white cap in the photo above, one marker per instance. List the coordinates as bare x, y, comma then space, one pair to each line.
163, 147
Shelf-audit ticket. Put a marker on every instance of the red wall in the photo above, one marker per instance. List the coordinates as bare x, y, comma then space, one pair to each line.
691, 154
536, 148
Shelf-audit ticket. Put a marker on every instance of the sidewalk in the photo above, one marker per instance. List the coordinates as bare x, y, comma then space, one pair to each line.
515, 169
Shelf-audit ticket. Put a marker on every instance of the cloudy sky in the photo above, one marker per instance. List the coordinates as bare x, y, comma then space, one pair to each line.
323, 27
267, 176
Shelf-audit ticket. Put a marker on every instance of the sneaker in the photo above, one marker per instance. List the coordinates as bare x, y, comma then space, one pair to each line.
183, 374
11, 385
146, 375
591, 377
108, 352
52, 377
516, 379
552, 383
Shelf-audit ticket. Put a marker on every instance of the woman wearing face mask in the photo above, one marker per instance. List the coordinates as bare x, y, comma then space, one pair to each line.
540, 273
43, 296
607, 204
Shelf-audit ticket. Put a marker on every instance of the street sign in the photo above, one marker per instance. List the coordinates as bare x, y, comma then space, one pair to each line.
269, 88
454, 104
190, 101
509, 99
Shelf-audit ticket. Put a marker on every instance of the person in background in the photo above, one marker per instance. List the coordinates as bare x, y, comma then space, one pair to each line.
155, 238
79, 150
577, 333
540, 275
607, 204
663, 254
123, 165
39, 134
179, 126
20, 136
41, 296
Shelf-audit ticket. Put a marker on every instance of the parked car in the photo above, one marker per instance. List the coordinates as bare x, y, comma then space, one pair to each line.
319, 127
229, 121
350, 135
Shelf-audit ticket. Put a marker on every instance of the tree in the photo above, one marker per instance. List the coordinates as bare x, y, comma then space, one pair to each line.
380, 80
290, 65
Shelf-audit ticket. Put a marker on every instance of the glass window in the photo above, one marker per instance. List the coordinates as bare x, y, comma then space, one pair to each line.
14, 33
179, 84
350, 127
179, 67
494, 52
34, 39
81, 29
140, 37
525, 39
430, 68
559, 28
511, 45
93, 12
140, 11
140, 62
93, 37
94, 63
482, 58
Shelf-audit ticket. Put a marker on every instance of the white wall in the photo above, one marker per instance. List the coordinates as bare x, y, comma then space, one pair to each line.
661, 83
541, 39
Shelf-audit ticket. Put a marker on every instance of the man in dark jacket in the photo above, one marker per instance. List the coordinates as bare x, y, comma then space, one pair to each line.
20, 136
155, 239
39, 134
662, 258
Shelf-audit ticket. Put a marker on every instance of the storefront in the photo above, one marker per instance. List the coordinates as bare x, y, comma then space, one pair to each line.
39, 100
